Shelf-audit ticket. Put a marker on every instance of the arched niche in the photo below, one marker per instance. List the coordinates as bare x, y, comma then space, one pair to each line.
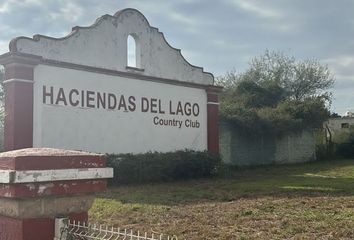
133, 51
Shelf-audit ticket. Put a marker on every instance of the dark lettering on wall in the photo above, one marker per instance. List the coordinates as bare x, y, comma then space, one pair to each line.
195, 109
61, 97
122, 103
187, 109
153, 105
171, 112
90, 99
48, 94
101, 100
71, 101
161, 111
179, 109
144, 104
112, 101
82, 98
105, 100
132, 105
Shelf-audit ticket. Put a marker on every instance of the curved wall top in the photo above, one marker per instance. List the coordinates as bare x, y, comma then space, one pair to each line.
104, 45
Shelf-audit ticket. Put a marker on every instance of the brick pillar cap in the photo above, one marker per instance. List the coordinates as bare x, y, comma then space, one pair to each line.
50, 158
39, 172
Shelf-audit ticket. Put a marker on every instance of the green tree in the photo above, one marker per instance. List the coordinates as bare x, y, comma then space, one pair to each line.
334, 115
277, 93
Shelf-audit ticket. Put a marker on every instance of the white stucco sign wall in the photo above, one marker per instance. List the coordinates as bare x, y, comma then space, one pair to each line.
78, 92
101, 113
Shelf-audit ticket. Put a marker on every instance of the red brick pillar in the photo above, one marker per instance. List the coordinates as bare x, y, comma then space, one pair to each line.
18, 84
213, 119
38, 184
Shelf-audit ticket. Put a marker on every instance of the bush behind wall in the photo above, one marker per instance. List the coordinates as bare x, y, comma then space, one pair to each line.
160, 167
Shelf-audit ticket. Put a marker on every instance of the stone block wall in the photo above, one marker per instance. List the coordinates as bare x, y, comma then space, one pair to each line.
240, 148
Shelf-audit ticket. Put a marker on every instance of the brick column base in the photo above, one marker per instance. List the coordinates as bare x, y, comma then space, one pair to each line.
32, 228
38, 185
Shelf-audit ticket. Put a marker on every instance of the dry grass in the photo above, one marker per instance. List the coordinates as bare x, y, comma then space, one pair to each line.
308, 201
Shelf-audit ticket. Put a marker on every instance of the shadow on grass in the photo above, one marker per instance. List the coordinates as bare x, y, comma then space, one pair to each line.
331, 178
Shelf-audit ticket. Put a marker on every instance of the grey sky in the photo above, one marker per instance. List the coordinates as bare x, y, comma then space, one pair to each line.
217, 35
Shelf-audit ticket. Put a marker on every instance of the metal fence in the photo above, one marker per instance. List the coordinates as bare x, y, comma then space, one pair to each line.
66, 230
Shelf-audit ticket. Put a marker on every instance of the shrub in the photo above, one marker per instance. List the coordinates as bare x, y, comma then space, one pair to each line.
158, 167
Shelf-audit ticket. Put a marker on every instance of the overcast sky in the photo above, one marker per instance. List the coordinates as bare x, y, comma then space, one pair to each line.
217, 35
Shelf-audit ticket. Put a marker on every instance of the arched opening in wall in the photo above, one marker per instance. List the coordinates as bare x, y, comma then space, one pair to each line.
133, 51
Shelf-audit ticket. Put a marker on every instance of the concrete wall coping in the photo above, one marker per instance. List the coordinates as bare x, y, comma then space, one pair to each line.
32, 176
33, 152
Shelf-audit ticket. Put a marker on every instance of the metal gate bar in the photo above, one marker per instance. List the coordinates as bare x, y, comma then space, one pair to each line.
66, 230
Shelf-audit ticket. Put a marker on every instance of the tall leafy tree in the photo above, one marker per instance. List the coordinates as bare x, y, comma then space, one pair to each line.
277, 93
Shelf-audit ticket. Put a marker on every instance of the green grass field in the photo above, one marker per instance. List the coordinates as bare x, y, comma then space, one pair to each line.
307, 201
